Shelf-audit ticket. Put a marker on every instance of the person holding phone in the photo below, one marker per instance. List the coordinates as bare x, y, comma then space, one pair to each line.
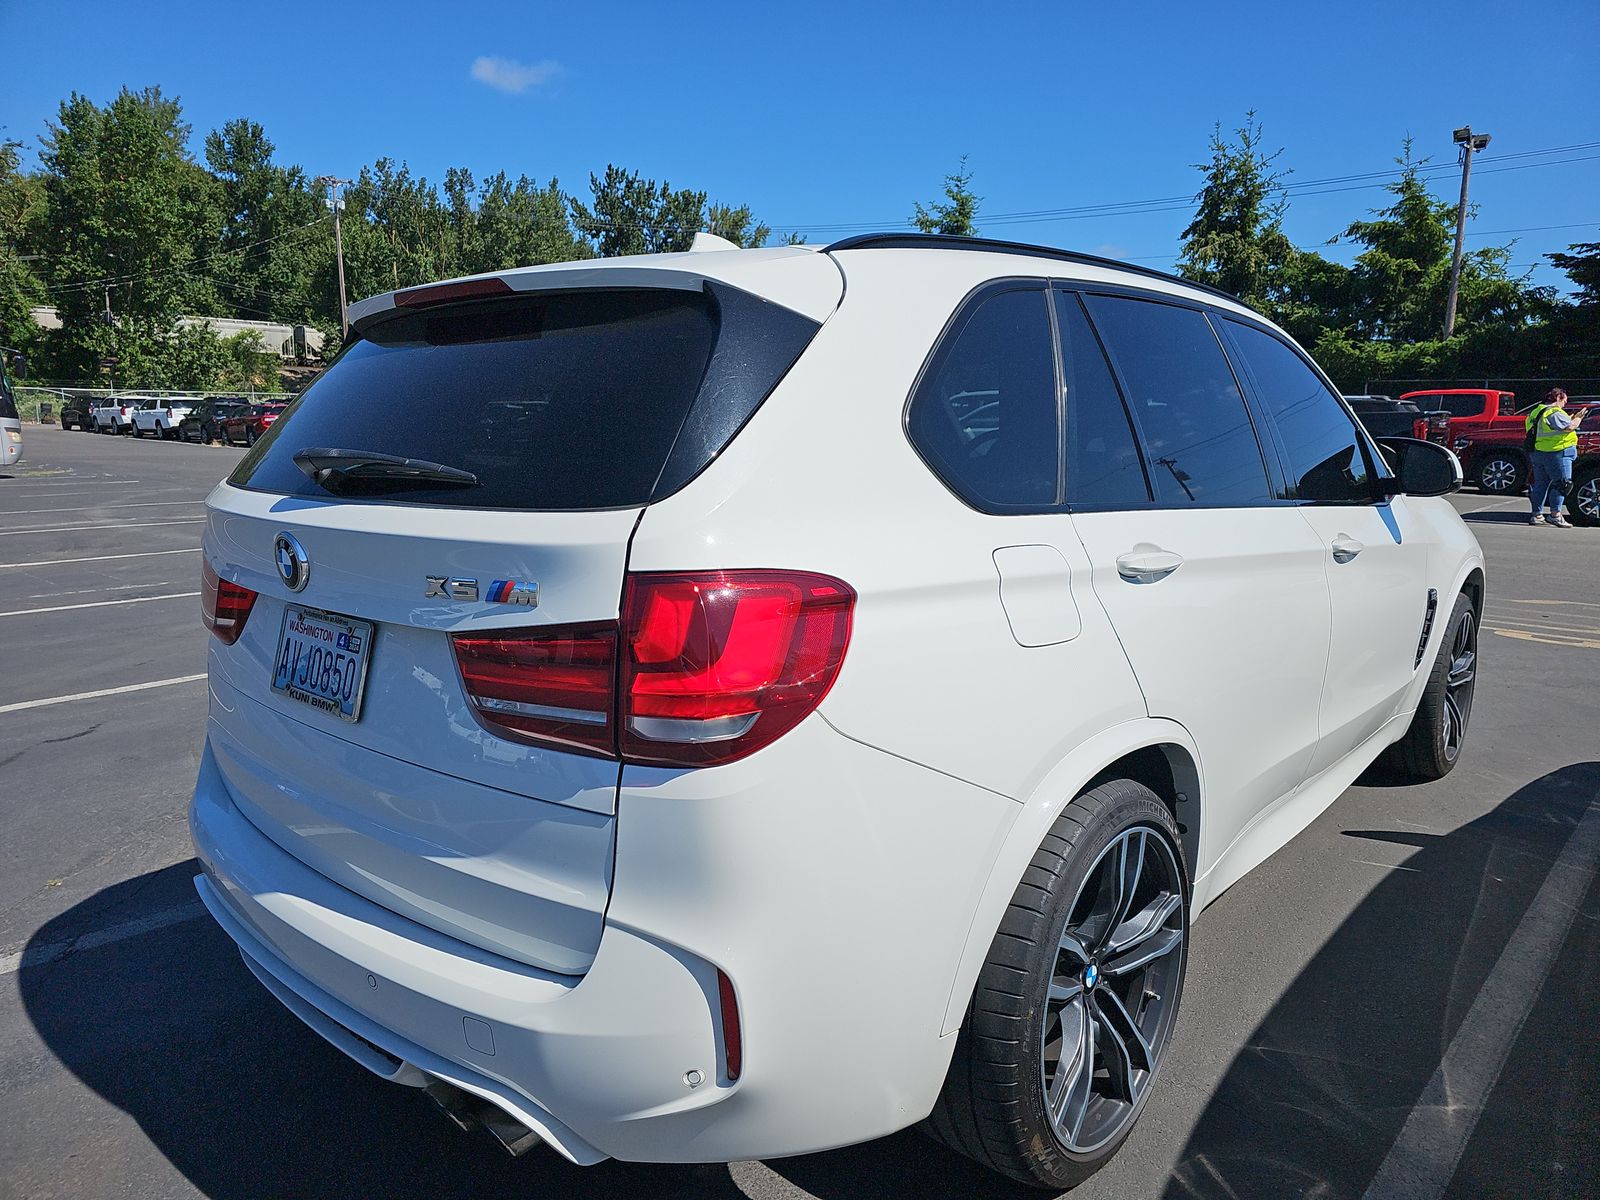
1555, 447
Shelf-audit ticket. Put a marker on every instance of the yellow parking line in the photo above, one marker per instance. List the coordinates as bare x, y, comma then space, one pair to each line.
1528, 635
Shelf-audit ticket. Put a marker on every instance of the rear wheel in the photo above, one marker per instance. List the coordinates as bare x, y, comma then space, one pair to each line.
250, 437
1503, 474
1075, 1006
1438, 731
1583, 504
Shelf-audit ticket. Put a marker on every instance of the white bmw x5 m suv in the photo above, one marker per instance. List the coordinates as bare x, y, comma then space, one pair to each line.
743, 702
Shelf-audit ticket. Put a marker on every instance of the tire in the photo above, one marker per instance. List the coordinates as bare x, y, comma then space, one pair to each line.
1049, 972
250, 437
1502, 473
1432, 743
1583, 501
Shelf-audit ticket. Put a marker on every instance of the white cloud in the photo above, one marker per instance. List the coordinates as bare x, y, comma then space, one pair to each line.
509, 75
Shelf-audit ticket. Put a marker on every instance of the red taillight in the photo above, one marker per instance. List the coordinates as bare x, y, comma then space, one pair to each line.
224, 606
721, 664
713, 666
554, 685
732, 1038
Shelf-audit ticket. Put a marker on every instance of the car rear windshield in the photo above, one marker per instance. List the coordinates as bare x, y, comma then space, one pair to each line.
556, 401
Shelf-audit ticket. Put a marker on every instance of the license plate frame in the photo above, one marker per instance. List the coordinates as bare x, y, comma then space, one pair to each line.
315, 698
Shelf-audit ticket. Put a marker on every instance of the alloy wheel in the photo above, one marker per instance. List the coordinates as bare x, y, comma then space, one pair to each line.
1587, 499
1112, 996
1498, 475
1459, 683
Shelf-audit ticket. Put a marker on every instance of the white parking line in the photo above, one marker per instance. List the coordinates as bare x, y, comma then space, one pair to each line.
21, 705
28, 612
1424, 1157
23, 512
35, 956
103, 525
56, 562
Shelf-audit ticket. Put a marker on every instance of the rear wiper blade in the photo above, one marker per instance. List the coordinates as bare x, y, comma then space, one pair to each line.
336, 469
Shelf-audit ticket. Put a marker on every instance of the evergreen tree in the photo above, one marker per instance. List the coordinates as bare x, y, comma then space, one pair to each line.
1236, 241
957, 213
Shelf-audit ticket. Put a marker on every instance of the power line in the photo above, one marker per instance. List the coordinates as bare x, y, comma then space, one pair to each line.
88, 284
1157, 204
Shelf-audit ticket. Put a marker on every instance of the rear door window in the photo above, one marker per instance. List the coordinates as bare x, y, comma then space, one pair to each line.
555, 401
1103, 466
985, 415
1325, 458
1198, 438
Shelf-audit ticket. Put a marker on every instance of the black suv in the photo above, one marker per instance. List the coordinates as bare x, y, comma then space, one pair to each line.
1384, 417
203, 424
75, 414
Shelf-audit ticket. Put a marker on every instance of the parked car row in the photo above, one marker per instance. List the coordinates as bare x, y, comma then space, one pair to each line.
231, 420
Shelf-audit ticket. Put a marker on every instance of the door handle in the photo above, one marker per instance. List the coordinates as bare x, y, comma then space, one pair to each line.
1345, 548
1148, 564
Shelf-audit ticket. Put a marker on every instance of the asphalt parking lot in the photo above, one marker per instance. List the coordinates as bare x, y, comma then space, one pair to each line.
1404, 1001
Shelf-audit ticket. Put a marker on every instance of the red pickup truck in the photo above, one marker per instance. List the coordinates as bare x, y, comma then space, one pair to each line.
1494, 459
1469, 409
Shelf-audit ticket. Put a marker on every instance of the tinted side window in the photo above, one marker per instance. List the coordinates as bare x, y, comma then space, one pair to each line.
1103, 467
1464, 406
1197, 434
1325, 459
984, 415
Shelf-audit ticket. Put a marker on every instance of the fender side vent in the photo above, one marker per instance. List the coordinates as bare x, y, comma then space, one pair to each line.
1427, 626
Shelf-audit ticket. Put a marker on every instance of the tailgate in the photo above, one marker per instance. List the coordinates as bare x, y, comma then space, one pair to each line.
415, 805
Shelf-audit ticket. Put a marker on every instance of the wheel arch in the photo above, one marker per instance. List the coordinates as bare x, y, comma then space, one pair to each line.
1155, 752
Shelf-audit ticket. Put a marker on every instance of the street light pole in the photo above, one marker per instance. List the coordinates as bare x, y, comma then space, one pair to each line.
1470, 144
337, 205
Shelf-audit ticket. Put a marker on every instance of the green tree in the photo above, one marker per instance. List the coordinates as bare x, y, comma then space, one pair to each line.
22, 216
1400, 280
271, 217
128, 205
738, 225
957, 213
634, 215
1236, 241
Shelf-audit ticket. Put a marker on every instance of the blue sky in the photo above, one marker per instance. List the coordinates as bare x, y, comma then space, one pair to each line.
831, 118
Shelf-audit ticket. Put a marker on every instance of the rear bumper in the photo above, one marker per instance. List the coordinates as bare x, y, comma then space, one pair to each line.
838, 912
606, 1048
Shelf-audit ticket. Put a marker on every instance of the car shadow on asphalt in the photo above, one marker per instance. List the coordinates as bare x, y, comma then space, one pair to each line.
247, 1102
1315, 1100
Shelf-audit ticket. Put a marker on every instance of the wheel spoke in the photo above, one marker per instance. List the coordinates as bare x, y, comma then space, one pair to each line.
1072, 1065
1063, 989
1116, 1017
1145, 923
1129, 867
1160, 944
1116, 1054
1072, 944
1463, 670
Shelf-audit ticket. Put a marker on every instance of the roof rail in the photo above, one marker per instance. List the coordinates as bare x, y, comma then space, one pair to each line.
946, 241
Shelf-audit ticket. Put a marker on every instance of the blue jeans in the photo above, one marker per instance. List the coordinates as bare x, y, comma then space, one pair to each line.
1550, 478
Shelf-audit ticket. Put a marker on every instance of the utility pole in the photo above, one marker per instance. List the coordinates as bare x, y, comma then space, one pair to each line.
336, 205
1470, 143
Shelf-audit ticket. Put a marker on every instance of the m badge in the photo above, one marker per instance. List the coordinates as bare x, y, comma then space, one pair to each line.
514, 591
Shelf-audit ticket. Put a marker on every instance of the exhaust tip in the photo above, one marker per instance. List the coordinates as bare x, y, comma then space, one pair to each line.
468, 1112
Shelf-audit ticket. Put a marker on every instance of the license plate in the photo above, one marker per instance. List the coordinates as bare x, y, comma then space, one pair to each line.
322, 660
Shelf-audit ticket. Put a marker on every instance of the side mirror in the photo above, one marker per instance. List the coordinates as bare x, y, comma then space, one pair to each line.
1420, 468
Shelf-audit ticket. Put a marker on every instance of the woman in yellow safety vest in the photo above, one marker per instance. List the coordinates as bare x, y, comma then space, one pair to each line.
1555, 446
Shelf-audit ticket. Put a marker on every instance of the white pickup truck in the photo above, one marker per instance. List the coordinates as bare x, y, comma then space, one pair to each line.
160, 415
114, 414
